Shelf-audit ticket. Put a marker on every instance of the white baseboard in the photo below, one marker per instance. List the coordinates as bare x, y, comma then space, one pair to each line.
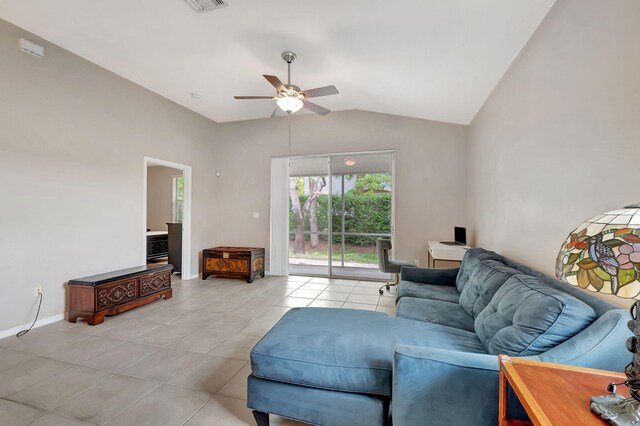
191, 277
41, 322
268, 273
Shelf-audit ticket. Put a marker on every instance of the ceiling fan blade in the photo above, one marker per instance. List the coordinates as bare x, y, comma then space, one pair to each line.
315, 108
253, 97
275, 82
320, 91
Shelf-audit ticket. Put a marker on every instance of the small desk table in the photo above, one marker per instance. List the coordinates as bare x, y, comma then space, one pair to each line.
554, 394
438, 252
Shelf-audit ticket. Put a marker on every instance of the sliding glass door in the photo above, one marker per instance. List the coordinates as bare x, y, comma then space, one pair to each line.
334, 235
309, 200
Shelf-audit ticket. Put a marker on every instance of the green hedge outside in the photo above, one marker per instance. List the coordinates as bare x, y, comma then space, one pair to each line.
368, 212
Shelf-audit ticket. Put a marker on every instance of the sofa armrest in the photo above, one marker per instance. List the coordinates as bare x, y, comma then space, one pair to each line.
443, 387
446, 276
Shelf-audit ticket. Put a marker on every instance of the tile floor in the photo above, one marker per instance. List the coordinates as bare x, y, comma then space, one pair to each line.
182, 361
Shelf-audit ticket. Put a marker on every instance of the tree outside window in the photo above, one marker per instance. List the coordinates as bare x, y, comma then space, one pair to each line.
178, 199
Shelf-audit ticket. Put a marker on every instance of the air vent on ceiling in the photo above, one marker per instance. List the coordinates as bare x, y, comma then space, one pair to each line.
205, 5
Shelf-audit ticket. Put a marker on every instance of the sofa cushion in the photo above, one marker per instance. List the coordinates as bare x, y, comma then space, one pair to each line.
434, 311
470, 262
483, 283
428, 291
528, 317
346, 349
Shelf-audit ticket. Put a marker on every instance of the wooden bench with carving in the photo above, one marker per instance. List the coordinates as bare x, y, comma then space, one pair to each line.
92, 298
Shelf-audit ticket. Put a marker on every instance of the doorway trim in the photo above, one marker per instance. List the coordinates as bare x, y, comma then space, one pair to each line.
186, 213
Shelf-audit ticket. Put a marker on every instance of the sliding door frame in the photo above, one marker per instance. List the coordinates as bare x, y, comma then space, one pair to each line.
329, 158
330, 216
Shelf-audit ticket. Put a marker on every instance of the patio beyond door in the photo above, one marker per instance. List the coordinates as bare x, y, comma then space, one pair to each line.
338, 206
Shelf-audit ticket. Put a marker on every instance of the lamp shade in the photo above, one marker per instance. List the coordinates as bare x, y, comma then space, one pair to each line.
603, 254
290, 103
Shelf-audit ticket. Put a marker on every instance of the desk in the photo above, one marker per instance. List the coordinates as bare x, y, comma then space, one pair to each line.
438, 252
553, 394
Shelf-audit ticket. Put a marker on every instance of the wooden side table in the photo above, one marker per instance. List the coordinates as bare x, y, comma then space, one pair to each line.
553, 394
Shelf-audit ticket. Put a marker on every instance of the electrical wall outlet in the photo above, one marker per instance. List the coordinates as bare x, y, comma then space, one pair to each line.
416, 261
37, 291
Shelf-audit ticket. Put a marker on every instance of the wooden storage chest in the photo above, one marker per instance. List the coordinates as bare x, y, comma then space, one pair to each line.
115, 292
233, 262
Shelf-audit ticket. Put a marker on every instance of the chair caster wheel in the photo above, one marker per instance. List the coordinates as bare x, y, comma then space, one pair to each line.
387, 287
381, 292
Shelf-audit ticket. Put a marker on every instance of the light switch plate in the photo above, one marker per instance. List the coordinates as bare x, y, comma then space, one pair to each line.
256, 215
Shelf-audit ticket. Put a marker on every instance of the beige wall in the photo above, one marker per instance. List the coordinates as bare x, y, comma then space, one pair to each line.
559, 139
160, 196
557, 142
430, 174
72, 141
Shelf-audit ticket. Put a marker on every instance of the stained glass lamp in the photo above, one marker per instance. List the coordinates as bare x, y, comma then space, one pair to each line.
603, 255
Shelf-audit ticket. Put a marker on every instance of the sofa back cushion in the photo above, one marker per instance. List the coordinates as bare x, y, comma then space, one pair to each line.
470, 262
527, 317
483, 283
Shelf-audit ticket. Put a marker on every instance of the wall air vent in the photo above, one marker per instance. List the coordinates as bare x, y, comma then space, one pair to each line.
205, 5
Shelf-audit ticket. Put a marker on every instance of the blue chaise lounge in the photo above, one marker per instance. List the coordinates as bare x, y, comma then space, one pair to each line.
435, 363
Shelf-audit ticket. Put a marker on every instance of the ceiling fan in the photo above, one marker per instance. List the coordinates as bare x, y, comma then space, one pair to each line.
289, 97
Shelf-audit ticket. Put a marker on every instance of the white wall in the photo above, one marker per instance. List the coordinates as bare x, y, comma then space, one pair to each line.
430, 159
558, 141
72, 141
160, 196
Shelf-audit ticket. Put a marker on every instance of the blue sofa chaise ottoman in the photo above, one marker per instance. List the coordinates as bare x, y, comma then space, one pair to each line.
435, 362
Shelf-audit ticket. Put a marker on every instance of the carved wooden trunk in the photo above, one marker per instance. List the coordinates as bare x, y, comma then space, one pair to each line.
233, 262
115, 292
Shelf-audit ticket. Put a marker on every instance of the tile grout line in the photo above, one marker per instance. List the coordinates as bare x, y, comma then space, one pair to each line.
144, 395
195, 412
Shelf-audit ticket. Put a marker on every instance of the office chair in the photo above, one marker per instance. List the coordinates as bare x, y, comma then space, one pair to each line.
383, 245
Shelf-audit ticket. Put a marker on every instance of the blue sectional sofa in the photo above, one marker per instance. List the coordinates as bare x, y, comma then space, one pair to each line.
435, 363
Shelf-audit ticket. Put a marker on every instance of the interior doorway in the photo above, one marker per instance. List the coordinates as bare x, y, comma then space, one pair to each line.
167, 214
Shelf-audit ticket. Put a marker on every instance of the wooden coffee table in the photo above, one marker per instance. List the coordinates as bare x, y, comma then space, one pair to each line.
554, 394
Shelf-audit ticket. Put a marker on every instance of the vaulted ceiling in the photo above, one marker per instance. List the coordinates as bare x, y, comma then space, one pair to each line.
432, 59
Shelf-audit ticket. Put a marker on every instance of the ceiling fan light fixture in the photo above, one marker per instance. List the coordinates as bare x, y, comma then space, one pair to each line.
290, 104
350, 161
289, 98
